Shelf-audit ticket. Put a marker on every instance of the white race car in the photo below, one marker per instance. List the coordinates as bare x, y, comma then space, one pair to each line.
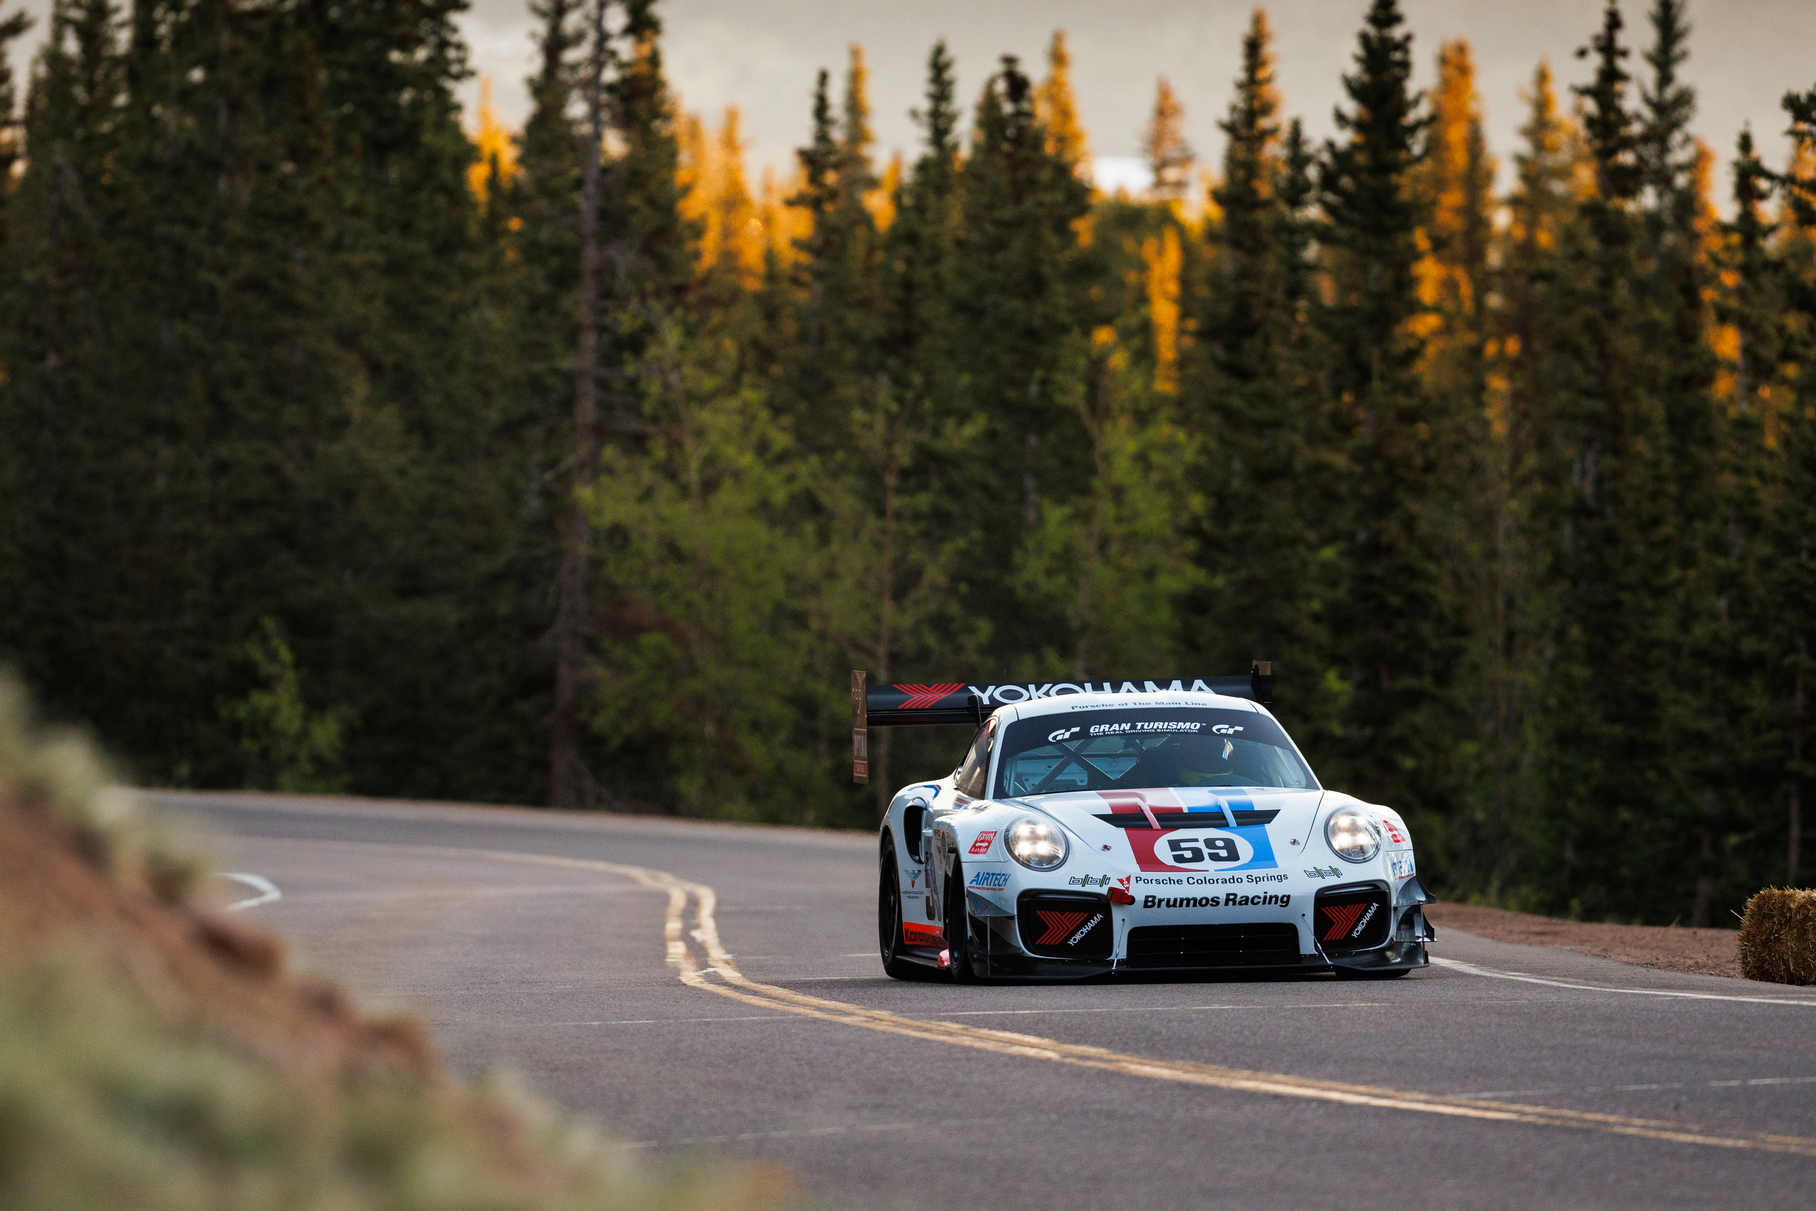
1131, 826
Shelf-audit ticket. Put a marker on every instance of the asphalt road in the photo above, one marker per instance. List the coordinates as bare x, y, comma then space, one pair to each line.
703, 987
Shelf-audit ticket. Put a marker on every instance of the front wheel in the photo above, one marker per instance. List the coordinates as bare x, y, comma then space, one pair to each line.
889, 923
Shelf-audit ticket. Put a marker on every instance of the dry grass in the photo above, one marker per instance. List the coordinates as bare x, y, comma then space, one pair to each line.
1778, 937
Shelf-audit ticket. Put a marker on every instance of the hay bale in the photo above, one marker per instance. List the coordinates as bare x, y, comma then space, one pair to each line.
1778, 937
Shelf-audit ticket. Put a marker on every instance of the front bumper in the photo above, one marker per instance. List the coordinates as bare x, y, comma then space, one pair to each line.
1000, 950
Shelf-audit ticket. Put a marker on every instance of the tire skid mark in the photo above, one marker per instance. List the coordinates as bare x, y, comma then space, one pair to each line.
733, 984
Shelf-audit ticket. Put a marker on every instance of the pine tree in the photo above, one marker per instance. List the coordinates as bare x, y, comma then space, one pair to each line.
14, 502
891, 540
1526, 366
1606, 830
1251, 399
248, 213
919, 250
1016, 301
837, 360
1754, 387
1676, 278
1454, 182
1169, 156
650, 249
1790, 585
1400, 635
11, 28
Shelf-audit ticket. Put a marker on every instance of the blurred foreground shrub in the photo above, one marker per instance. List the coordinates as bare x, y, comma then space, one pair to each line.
1778, 937
103, 1106
60, 772
155, 1059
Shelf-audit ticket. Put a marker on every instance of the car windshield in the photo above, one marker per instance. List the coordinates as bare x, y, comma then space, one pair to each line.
1132, 749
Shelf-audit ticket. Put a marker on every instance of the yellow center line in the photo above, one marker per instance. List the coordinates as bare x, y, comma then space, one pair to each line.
739, 987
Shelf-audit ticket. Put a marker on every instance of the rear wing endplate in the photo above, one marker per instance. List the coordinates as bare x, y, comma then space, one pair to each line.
958, 702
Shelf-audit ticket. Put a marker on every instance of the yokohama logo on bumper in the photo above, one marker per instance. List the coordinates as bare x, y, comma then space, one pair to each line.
1058, 925
1351, 919
1065, 925
1348, 920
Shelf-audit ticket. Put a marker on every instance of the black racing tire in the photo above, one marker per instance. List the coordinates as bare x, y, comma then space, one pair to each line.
958, 927
889, 924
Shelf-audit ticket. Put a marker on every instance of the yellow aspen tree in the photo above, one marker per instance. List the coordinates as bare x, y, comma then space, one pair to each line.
880, 202
1456, 180
497, 149
1057, 109
735, 222
783, 225
1164, 256
693, 180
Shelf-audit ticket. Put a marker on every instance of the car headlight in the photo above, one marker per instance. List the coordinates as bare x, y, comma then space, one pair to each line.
1036, 844
1352, 837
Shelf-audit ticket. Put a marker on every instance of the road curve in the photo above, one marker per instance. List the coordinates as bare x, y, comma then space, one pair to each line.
715, 987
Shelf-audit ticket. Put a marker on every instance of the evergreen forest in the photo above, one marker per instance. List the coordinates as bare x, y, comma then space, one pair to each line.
348, 442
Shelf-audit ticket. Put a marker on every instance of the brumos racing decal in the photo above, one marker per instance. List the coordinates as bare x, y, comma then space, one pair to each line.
1266, 899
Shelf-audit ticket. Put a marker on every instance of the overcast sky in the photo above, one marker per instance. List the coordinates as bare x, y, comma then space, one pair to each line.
762, 55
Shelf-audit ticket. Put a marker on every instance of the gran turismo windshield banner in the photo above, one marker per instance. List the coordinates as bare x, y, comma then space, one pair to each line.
1135, 748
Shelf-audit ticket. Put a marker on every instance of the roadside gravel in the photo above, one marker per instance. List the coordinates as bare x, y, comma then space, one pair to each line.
1670, 948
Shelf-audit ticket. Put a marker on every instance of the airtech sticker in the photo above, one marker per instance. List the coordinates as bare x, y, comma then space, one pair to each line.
988, 880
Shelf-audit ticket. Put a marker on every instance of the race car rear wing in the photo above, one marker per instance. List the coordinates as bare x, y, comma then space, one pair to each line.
957, 702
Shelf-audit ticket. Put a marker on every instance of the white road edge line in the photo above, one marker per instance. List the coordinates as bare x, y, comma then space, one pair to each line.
1491, 973
1758, 1080
265, 887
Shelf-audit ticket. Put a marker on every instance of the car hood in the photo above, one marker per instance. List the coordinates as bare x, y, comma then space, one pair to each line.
1230, 828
